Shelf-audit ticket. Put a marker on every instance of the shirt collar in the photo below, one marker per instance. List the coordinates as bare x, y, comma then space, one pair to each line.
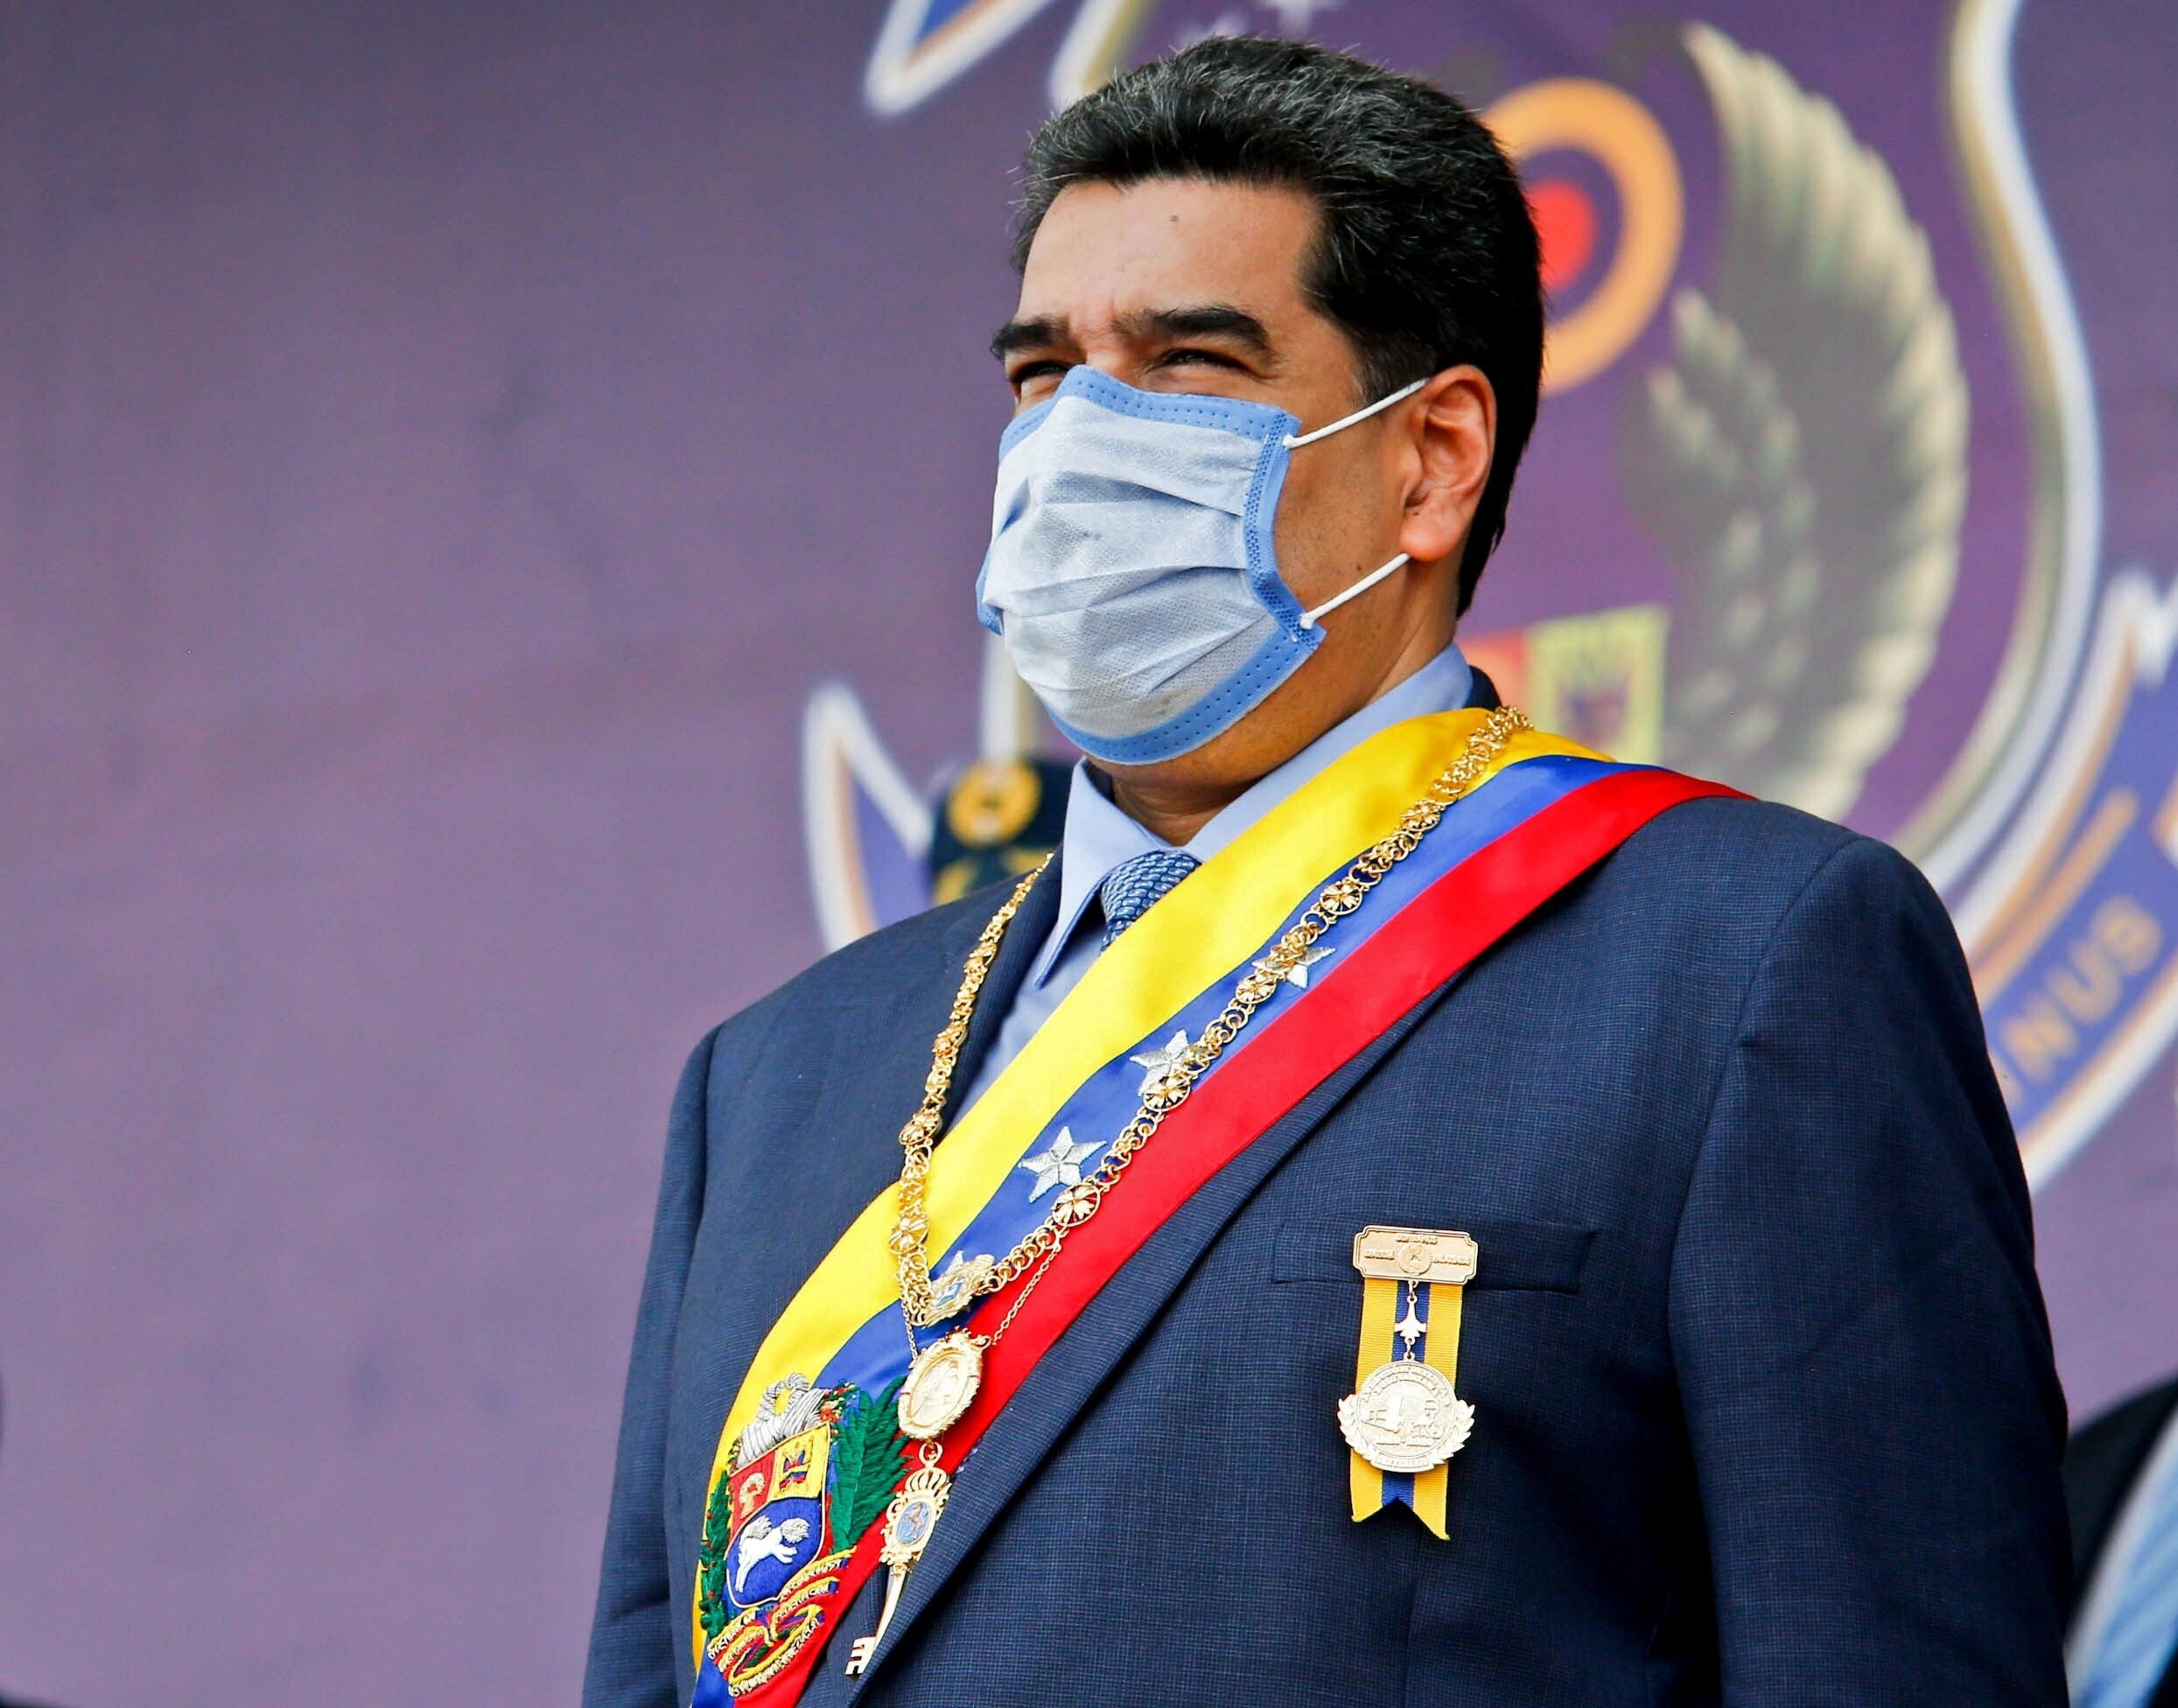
1099, 836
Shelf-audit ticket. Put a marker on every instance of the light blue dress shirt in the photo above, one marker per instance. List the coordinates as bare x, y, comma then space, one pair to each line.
1099, 836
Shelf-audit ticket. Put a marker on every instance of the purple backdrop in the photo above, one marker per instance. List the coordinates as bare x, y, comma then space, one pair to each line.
441, 447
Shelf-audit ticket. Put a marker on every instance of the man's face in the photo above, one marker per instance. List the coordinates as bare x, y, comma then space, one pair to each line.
1186, 285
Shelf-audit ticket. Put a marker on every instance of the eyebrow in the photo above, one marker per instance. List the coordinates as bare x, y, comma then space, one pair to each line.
1018, 335
1149, 325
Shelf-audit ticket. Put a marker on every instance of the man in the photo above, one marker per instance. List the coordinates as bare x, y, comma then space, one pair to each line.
1423, 1213
2121, 1482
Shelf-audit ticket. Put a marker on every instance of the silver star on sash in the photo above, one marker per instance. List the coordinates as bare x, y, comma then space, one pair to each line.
1158, 1063
1296, 974
1058, 1167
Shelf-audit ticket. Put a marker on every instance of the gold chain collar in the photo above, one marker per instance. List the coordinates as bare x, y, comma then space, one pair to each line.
942, 1378
1165, 1092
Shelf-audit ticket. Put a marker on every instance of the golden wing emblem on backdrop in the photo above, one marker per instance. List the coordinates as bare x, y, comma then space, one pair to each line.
1801, 460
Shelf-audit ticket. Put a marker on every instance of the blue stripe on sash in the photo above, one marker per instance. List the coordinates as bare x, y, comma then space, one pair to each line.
878, 1351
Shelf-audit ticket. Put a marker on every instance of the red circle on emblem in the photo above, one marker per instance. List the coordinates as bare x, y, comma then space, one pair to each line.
1565, 224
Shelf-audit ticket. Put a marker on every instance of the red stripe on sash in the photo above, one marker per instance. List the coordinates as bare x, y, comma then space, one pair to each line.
1439, 933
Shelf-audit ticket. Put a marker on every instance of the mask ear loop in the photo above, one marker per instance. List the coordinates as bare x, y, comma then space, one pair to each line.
1293, 442
1308, 617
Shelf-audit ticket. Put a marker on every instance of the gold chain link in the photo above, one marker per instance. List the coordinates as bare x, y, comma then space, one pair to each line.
1166, 1092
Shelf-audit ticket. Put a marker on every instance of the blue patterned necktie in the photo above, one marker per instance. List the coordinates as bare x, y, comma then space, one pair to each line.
1133, 887
2143, 1634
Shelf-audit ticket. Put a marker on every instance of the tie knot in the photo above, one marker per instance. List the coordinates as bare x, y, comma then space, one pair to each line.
1133, 887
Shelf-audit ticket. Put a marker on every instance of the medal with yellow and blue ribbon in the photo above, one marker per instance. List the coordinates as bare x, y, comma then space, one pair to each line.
1404, 1419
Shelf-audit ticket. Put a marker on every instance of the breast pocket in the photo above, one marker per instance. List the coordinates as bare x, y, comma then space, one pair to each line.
1526, 1340
1545, 1257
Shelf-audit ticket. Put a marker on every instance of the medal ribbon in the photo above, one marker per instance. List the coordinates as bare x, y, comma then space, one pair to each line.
1439, 1304
1546, 813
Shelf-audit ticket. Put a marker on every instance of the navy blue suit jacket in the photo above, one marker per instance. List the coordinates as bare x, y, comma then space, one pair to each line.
1766, 1411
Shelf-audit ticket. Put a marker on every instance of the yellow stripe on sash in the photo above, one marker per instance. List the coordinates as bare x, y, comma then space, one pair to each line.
1199, 933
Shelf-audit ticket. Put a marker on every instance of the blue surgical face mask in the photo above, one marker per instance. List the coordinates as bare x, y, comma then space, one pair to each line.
1132, 571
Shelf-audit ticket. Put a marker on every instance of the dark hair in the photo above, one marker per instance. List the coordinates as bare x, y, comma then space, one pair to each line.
1427, 256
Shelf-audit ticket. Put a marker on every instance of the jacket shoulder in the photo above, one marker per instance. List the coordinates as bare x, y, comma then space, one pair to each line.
1767, 839
877, 963
1697, 902
1734, 857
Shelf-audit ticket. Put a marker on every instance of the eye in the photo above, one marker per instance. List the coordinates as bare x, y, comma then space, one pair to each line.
1189, 354
1029, 371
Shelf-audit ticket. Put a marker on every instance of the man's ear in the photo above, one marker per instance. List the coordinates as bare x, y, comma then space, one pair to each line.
1452, 436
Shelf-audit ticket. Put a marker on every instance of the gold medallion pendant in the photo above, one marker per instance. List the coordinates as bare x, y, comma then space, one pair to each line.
941, 1385
1405, 1418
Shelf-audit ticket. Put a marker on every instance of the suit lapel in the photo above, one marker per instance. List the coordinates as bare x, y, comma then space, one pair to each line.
864, 1098
1070, 1375
848, 1133
867, 1095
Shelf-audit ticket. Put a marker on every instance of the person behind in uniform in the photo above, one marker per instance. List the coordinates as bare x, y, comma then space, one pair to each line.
1400, 1207
2121, 1484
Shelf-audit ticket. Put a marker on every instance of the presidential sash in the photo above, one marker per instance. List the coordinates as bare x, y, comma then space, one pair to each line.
811, 1454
